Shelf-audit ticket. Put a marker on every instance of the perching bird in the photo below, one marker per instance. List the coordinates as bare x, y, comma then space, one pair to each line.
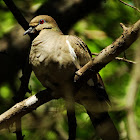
55, 58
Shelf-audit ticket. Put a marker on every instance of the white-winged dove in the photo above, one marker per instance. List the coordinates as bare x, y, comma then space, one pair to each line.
55, 58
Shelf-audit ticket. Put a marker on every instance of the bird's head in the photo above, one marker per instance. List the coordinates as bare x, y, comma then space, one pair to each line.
42, 22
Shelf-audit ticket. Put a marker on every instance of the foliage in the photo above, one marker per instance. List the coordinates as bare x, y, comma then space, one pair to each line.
98, 30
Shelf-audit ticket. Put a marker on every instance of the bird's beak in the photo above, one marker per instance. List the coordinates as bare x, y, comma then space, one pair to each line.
30, 30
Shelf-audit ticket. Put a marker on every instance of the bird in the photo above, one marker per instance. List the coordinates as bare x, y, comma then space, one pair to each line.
55, 58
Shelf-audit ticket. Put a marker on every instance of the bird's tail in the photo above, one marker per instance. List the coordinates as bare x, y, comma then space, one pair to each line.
96, 102
104, 126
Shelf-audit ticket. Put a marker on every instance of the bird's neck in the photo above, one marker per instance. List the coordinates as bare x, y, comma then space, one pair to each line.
46, 34
56, 29
50, 32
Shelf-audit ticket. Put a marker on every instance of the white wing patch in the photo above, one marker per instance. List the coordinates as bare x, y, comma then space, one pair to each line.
71, 51
73, 55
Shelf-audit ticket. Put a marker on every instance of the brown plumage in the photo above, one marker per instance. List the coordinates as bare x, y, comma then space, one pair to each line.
55, 58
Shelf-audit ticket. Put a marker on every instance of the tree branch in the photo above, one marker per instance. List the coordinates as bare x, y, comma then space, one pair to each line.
137, 9
128, 36
120, 59
24, 107
17, 14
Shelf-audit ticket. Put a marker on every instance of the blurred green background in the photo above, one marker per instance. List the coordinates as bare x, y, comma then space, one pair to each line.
98, 29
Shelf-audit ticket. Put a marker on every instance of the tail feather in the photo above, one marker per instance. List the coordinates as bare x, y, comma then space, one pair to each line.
104, 126
94, 98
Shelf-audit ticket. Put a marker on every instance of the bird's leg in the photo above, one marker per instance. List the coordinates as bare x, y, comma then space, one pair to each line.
70, 106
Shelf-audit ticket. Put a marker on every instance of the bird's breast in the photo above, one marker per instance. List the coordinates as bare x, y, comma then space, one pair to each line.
51, 60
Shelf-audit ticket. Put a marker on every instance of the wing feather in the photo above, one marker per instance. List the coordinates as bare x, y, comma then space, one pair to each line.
84, 56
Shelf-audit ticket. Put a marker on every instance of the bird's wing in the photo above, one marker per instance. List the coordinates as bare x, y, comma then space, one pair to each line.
83, 56
81, 50
93, 95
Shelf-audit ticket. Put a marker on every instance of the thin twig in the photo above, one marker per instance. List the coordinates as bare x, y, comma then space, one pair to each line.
96, 54
130, 5
120, 59
125, 60
123, 26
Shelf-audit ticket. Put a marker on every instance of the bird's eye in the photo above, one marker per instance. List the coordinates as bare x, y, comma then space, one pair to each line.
41, 21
